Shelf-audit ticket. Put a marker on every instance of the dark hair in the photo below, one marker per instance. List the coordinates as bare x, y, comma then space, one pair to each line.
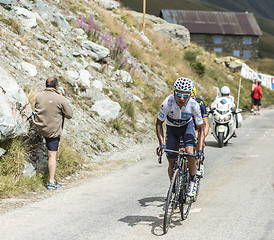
52, 82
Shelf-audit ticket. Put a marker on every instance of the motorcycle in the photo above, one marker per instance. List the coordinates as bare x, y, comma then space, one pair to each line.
223, 122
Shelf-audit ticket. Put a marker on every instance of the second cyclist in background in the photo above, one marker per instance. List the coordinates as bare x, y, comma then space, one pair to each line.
206, 124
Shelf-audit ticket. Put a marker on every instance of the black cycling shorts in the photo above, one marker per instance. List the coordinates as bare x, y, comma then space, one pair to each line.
173, 135
257, 102
52, 143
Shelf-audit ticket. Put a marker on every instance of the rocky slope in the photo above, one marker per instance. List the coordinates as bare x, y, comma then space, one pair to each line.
40, 39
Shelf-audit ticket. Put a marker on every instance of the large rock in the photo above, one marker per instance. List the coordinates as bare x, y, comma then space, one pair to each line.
84, 78
124, 76
62, 22
7, 3
107, 109
109, 4
95, 50
173, 32
28, 18
151, 19
29, 68
14, 109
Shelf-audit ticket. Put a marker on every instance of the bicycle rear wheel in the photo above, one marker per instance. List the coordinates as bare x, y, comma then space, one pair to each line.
171, 201
185, 200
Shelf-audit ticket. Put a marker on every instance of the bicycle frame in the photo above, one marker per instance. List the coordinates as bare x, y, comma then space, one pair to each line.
175, 195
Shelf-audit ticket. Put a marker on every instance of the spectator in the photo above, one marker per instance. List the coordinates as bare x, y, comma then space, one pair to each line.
51, 109
257, 95
254, 84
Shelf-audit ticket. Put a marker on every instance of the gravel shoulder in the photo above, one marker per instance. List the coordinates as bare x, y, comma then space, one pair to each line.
109, 162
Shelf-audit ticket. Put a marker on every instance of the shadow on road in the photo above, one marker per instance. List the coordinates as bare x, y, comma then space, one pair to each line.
215, 144
156, 223
212, 144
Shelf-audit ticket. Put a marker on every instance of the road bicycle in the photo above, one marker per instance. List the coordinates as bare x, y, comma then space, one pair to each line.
177, 193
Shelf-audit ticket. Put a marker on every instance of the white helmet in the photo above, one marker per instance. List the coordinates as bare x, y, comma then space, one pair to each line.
183, 84
225, 90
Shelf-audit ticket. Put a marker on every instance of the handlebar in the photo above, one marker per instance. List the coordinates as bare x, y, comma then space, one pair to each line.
181, 153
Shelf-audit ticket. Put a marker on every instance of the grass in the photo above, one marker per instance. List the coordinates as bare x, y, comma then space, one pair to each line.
12, 180
12, 24
12, 163
68, 160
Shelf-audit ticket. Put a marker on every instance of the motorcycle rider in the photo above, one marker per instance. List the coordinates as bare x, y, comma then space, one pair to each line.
225, 97
225, 93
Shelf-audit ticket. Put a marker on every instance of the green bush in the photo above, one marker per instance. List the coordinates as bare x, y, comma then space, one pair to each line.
116, 124
198, 67
191, 55
128, 108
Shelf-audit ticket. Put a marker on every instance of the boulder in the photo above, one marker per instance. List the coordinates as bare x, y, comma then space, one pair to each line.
28, 18
109, 4
41, 6
29, 170
29, 68
46, 64
14, 109
97, 85
137, 99
95, 50
62, 22
107, 109
7, 3
175, 33
71, 77
124, 76
84, 78
24, 12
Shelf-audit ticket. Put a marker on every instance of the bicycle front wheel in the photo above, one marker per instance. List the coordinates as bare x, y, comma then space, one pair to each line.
198, 179
185, 200
197, 189
171, 201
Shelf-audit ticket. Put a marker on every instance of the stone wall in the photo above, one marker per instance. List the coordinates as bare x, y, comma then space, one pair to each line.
229, 44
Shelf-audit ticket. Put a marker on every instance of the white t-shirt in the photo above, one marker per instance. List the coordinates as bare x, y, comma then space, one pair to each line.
178, 117
224, 100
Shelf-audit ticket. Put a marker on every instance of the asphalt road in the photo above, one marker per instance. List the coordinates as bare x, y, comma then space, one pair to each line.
236, 198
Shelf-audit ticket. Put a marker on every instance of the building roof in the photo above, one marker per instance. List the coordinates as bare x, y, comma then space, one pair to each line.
205, 22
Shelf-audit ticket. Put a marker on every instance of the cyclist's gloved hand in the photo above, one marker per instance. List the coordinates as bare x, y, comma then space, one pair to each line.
160, 150
201, 155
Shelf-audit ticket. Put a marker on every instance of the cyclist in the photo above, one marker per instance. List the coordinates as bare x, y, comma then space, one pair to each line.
177, 110
205, 119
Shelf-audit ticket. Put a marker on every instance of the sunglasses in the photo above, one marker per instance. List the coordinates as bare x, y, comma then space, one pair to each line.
181, 94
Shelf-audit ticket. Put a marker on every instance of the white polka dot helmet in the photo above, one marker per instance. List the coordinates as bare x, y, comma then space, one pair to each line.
183, 84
